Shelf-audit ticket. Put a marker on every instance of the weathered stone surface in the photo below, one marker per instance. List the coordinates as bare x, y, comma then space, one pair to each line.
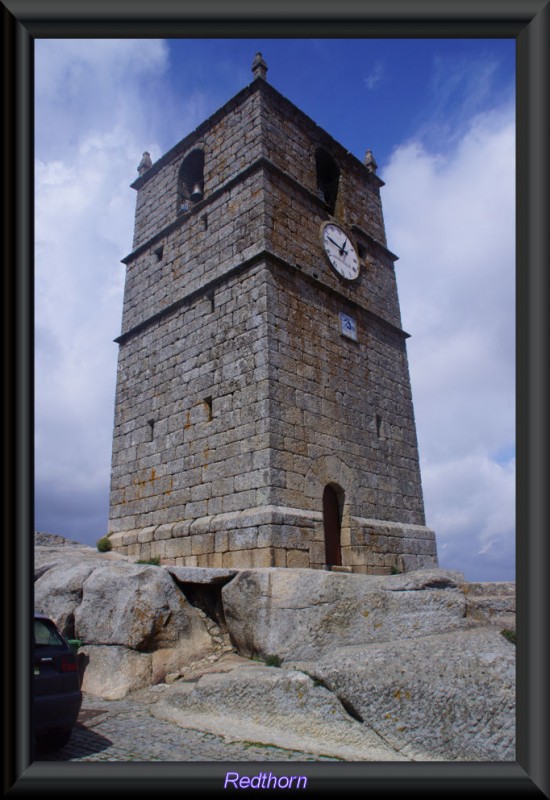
303, 612
273, 706
449, 696
127, 614
492, 603
398, 652
53, 540
135, 606
58, 590
424, 579
112, 672
201, 574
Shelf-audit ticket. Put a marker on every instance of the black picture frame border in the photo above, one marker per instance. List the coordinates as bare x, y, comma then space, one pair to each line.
528, 22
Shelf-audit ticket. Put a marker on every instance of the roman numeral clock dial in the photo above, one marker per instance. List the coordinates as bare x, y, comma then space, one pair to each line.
340, 251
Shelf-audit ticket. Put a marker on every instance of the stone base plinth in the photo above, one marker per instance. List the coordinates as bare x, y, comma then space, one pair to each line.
277, 536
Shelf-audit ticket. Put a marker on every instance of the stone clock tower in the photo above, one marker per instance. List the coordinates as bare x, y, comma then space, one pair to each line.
263, 410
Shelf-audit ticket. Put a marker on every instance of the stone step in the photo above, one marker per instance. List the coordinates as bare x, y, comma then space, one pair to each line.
490, 589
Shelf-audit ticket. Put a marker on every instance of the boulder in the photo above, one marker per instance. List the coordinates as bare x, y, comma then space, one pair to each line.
136, 624
302, 613
111, 671
402, 667
58, 590
445, 697
272, 706
138, 607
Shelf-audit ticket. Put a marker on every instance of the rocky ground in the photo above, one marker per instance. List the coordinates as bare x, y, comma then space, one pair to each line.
129, 730
410, 667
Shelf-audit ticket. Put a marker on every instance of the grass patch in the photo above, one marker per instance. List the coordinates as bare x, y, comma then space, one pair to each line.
272, 661
269, 661
154, 561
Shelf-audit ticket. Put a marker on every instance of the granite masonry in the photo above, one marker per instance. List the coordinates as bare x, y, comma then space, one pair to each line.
263, 413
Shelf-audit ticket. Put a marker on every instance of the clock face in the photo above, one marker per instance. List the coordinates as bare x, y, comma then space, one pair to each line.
340, 251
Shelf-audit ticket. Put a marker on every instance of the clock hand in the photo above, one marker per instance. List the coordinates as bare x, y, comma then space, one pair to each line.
341, 248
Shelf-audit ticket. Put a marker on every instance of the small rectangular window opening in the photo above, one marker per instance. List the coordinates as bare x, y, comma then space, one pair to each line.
204, 220
159, 252
379, 426
208, 407
212, 298
151, 423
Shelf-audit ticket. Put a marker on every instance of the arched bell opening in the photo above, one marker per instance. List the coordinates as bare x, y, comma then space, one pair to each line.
191, 181
328, 178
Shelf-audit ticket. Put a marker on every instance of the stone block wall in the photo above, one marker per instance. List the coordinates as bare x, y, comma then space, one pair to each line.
293, 230
231, 140
202, 248
342, 399
291, 139
189, 438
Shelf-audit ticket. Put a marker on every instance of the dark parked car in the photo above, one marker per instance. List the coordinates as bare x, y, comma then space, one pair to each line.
57, 694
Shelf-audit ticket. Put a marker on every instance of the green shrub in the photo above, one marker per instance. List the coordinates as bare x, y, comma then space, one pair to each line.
272, 661
154, 561
104, 544
509, 634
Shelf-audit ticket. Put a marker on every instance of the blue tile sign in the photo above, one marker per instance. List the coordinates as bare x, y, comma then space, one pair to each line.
348, 326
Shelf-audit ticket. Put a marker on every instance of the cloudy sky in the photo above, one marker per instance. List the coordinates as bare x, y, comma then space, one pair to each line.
439, 118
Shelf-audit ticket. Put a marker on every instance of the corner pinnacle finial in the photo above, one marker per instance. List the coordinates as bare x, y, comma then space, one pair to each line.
259, 67
145, 163
370, 163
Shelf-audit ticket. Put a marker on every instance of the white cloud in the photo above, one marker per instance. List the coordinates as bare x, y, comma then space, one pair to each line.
99, 105
375, 76
81, 225
451, 220
471, 502
91, 132
92, 85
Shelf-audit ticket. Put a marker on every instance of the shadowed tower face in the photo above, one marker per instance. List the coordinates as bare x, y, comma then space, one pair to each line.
263, 413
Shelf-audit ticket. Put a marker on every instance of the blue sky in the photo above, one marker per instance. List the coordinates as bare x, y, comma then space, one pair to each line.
439, 117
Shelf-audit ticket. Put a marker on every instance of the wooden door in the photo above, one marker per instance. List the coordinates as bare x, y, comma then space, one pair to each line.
332, 524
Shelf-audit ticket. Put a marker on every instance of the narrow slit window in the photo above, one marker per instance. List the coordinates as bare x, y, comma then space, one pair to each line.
208, 408
151, 424
379, 426
159, 252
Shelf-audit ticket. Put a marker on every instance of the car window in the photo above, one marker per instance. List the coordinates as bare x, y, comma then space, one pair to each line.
46, 634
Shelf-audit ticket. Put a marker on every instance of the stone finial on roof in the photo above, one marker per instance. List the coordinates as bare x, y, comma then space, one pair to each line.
145, 163
370, 163
259, 67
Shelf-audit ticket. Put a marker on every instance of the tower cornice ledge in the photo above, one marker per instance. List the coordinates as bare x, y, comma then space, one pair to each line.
263, 255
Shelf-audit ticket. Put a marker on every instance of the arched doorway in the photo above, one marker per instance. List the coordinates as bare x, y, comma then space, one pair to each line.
332, 522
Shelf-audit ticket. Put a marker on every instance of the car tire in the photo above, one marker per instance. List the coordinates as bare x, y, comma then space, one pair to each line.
54, 740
